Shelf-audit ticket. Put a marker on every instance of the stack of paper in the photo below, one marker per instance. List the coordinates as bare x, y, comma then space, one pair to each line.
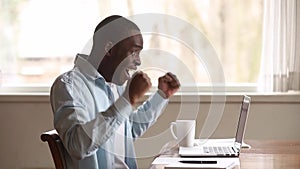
211, 163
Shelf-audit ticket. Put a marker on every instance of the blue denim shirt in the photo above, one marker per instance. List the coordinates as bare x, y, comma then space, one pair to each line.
86, 117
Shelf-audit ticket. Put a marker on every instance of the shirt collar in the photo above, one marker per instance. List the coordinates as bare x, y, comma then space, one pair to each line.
86, 67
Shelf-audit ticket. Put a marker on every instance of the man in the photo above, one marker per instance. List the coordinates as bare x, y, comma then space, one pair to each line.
93, 113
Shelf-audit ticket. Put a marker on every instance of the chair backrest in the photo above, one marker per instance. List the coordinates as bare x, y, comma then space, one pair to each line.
56, 148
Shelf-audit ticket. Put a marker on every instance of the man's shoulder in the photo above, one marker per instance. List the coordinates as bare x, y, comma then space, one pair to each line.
70, 77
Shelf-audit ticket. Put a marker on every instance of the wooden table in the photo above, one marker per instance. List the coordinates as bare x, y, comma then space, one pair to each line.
263, 154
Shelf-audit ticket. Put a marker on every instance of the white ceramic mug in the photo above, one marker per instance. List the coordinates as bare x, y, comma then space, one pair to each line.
185, 132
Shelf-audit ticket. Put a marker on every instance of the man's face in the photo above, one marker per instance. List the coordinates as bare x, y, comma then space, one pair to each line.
126, 58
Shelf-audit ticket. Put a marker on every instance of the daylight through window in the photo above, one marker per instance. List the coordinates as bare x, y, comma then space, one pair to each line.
39, 39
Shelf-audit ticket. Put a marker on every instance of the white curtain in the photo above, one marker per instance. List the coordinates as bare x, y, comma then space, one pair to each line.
280, 64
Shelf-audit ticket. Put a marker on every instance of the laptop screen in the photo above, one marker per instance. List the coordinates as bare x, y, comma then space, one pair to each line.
242, 119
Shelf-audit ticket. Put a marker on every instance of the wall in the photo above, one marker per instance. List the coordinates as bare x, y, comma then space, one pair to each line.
25, 117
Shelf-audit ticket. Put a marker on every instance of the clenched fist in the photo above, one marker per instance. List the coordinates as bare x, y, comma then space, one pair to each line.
137, 86
169, 84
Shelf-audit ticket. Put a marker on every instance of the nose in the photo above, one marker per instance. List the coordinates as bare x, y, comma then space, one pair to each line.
137, 60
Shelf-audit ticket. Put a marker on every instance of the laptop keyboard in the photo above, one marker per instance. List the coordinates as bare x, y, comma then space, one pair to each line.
218, 150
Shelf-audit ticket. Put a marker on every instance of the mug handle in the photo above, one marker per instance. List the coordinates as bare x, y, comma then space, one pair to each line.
172, 131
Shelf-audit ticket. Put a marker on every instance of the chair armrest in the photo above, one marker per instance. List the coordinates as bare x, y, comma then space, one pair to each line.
52, 134
56, 148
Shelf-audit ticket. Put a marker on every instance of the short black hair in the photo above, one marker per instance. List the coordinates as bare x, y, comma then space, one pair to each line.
115, 28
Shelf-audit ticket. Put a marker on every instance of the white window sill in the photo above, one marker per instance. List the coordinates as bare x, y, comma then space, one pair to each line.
256, 97
41, 94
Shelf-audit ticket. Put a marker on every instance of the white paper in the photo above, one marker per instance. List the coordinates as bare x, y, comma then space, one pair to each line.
173, 163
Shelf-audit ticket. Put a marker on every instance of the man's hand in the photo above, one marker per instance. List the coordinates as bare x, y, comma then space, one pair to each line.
169, 84
137, 86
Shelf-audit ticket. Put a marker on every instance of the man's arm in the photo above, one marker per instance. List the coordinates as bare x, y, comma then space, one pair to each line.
147, 114
81, 128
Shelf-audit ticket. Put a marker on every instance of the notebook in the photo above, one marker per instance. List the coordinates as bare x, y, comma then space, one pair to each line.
219, 149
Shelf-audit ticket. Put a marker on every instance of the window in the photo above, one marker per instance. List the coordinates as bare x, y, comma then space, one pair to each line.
40, 38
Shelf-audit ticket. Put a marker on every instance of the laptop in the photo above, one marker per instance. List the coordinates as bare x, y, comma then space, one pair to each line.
222, 149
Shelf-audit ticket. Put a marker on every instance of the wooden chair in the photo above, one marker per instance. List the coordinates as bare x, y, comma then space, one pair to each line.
56, 148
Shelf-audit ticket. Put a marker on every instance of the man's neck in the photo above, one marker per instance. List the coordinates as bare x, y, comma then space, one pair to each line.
105, 70
101, 65
95, 58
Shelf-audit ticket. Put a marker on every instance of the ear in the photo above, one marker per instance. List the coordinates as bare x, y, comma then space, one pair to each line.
108, 47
